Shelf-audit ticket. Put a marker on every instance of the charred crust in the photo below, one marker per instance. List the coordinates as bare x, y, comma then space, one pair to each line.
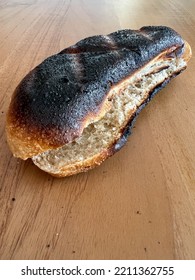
53, 102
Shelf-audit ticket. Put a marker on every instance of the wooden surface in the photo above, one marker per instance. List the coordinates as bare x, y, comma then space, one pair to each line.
139, 204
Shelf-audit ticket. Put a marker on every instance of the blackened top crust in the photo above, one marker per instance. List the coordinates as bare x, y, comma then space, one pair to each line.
56, 98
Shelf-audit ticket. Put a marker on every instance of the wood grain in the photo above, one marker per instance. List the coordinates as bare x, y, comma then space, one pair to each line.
139, 204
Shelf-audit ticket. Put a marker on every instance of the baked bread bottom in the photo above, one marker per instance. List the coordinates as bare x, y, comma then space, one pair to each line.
101, 139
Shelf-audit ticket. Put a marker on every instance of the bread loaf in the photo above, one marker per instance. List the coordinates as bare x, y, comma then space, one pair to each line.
77, 107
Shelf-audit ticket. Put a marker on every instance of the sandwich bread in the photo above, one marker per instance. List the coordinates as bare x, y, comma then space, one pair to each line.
77, 107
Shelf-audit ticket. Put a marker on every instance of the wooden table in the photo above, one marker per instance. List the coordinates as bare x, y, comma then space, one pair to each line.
139, 204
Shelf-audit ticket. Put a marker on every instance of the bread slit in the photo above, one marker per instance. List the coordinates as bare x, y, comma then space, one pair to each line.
97, 139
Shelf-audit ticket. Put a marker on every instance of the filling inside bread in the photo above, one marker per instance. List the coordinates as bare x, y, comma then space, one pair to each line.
125, 99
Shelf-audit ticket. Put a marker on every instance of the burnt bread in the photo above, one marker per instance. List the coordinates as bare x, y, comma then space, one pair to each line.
77, 107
